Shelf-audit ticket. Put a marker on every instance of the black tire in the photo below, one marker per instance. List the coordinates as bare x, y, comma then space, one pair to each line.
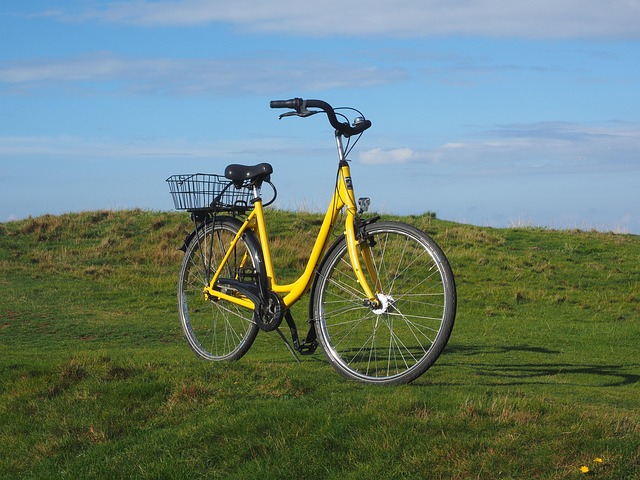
216, 329
398, 341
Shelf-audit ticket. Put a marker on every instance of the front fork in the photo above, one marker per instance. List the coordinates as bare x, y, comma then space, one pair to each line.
354, 231
359, 247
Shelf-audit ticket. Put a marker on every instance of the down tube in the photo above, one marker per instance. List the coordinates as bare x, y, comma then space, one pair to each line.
295, 290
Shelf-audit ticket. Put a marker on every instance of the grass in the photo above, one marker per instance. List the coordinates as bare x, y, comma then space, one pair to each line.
539, 379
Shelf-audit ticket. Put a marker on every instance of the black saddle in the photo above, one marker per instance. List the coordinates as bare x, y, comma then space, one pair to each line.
254, 173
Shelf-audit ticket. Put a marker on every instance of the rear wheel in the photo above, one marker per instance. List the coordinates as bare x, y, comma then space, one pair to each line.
217, 329
397, 340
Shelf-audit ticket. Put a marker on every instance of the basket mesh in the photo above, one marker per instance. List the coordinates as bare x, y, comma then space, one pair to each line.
203, 191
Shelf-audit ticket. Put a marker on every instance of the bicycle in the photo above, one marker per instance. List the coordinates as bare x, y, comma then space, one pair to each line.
382, 295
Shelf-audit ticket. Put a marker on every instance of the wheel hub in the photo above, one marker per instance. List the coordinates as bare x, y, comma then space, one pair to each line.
386, 304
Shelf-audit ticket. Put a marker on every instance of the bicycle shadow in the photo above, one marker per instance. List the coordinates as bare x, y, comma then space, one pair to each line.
509, 372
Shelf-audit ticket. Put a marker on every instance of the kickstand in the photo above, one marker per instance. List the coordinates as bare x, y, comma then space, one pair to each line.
289, 347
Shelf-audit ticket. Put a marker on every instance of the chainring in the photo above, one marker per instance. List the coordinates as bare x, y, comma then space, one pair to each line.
270, 315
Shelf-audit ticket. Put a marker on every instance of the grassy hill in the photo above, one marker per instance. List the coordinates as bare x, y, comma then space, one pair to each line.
539, 379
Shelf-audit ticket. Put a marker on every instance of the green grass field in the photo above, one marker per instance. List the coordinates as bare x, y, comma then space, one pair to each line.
539, 379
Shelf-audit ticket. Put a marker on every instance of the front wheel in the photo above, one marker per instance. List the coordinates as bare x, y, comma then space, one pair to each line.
399, 338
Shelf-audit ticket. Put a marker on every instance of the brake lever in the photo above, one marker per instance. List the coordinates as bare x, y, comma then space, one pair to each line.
302, 113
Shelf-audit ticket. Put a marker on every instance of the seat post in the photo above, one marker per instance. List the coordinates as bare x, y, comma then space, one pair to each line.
257, 193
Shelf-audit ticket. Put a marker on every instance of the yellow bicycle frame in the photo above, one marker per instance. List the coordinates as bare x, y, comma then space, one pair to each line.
291, 293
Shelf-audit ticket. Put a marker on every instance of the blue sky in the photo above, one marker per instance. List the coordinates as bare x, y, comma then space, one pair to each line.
487, 112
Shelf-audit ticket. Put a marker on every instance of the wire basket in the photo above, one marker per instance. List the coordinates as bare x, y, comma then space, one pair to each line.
203, 191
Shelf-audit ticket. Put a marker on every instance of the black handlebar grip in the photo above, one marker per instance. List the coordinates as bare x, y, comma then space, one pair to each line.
294, 104
360, 127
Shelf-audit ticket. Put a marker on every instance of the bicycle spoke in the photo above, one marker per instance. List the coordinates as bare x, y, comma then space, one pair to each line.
216, 329
400, 337
345, 282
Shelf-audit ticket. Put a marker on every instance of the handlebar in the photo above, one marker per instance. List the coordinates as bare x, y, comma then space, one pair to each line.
300, 106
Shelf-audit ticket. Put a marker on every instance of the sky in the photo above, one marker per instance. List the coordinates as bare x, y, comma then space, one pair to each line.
486, 112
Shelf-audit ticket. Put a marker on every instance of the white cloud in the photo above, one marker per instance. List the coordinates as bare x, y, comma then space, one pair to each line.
401, 18
545, 147
379, 156
107, 71
68, 146
100, 148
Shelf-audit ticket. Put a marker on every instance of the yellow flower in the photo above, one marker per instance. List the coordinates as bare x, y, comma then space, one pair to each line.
584, 469
598, 460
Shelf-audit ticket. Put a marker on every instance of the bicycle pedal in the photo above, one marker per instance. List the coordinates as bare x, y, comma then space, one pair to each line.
307, 348
247, 275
